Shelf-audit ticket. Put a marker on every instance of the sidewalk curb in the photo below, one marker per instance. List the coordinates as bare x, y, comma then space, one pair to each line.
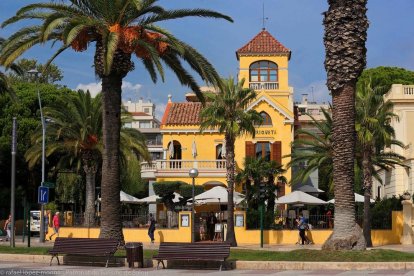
258, 265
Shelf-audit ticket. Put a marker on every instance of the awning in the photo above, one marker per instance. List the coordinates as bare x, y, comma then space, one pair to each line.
298, 197
126, 198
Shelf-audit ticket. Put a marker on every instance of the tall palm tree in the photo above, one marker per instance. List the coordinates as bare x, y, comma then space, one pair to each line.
4, 82
118, 29
226, 112
75, 133
374, 132
346, 27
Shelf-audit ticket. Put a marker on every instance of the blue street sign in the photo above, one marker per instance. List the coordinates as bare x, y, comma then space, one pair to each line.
43, 195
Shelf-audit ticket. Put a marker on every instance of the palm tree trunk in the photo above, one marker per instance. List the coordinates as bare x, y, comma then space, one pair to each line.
230, 165
111, 225
366, 166
90, 172
346, 234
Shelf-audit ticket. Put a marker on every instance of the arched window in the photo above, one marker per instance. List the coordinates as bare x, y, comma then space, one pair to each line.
267, 121
263, 71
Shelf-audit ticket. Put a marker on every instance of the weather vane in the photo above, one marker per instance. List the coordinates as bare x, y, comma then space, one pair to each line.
264, 18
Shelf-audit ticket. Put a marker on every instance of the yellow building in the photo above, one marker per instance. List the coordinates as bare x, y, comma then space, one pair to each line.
263, 63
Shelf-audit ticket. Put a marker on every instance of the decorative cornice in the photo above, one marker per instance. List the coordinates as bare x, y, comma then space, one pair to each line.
288, 118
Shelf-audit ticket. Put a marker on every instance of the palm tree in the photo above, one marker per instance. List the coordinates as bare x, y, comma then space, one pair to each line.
346, 27
4, 82
226, 111
374, 132
118, 30
316, 151
75, 133
313, 151
255, 172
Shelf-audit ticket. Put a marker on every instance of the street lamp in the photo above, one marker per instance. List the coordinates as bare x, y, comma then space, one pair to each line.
193, 173
35, 74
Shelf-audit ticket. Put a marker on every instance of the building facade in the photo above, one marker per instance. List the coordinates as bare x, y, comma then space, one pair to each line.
399, 179
263, 63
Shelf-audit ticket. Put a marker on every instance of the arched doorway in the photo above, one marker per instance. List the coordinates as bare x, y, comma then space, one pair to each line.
175, 153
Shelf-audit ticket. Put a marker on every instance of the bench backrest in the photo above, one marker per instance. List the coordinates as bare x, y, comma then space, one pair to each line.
85, 245
202, 250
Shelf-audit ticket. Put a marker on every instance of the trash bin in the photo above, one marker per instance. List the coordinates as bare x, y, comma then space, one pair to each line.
134, 251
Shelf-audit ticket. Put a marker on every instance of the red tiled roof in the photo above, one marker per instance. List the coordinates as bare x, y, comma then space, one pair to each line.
139, 114
263, 43
182, 114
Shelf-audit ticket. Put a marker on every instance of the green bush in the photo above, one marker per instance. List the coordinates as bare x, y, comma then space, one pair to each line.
165, 188
186, 190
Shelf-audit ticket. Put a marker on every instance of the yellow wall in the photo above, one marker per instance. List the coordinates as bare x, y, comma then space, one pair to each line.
281, 61
379, 237
243, 236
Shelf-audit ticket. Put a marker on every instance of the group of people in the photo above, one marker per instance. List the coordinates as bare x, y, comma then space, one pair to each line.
55, 225
207, 227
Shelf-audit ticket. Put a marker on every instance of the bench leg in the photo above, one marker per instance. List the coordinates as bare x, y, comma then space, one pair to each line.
54, 256
107, 261
158, 265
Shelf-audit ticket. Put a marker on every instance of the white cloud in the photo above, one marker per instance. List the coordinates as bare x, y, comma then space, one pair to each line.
159, 110
130, 91
93, 87
317, 91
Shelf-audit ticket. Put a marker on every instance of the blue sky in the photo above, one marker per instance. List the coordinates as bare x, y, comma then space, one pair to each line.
295, 23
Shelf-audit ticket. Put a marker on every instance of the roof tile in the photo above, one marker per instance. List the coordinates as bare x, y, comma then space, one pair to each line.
263, 43
184, 113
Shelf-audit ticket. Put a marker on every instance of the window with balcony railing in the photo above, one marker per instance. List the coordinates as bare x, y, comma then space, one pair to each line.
263, 75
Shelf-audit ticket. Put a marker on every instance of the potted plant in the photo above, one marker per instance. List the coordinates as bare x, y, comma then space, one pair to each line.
406, 195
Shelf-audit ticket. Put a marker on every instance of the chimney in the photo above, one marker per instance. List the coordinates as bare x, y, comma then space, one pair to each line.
304, 99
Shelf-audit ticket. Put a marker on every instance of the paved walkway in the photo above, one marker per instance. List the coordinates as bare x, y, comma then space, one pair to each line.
41, 269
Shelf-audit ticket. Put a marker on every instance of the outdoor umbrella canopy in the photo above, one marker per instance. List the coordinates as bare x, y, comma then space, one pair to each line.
154, 198
194, 149
358, 198
298, 197
126, 198
219, 195
171, 149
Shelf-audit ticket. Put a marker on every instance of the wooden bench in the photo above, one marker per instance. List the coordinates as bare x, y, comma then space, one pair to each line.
85, 247
192, 252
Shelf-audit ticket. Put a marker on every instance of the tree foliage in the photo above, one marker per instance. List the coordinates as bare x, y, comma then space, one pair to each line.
49, 74
384, 76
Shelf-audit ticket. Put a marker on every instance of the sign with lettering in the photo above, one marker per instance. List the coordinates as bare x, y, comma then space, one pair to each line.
265, 132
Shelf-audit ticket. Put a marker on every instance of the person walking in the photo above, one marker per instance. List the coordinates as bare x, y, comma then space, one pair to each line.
56, 225
302, 229
7, 228
46, 222
151, 228
211, 223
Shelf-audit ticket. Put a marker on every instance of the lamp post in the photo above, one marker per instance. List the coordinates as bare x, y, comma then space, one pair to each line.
193, 174
13, 182
35, 74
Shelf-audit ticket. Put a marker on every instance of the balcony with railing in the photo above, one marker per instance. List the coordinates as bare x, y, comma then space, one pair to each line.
264, 85
399, 92
180, 168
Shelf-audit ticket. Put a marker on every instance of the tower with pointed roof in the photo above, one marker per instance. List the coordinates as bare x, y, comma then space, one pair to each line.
263, 63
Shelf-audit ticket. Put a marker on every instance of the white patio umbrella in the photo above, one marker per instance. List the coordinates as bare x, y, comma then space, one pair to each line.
298, 197
219, 195
358, 198
194, 149
154, 198
171, 149
126, 198
223, 149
